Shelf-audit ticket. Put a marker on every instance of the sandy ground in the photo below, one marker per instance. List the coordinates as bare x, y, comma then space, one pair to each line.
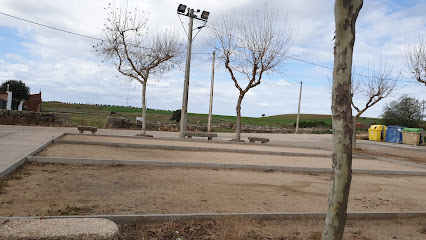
186, 143
105, 152
54, 189
416, 154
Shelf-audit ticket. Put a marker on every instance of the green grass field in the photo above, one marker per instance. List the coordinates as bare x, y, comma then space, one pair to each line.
95, 115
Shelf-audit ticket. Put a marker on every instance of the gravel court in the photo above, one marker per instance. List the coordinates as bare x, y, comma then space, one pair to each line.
47, 189
66, 150
210, 144
55, 189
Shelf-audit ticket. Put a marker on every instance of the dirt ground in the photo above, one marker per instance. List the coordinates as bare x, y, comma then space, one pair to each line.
189, 143
237, 228
394, 151
122, 153
55, 189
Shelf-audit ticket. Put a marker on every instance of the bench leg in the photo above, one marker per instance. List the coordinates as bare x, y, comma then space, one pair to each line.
252, 141
81, 131
209, 138
263, 142
93, 132
189, 136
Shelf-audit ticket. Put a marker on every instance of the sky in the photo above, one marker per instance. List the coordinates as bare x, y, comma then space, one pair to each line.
65, 67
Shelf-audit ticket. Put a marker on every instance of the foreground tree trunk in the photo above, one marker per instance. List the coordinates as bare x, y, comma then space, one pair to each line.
144, 108
345, 13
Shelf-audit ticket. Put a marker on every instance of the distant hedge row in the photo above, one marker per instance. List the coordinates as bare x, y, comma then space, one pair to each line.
313, 124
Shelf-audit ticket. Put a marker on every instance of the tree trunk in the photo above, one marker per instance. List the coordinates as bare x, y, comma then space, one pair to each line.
144, 108
346, 13
238, 108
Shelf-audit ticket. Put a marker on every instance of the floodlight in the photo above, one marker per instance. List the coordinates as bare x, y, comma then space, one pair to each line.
205, 15
181, 8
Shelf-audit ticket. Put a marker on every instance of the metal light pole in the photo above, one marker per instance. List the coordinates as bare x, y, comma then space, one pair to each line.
204, 16
209, 124
186, 83
298, 109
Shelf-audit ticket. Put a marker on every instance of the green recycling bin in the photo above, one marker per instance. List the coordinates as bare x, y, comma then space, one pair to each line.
412, 136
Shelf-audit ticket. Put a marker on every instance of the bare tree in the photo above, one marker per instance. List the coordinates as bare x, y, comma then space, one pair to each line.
415, 60
345, 15
376, 84
136, 54
249, 48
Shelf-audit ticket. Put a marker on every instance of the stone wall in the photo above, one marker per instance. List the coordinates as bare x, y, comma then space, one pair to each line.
121, 122
34, 118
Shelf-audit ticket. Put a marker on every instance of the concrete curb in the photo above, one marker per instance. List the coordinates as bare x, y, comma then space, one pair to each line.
396, 145
152, 218
21, 161
401, 162
212, 166
203, 149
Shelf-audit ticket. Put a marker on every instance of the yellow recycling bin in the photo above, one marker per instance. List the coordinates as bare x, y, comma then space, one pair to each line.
377, 133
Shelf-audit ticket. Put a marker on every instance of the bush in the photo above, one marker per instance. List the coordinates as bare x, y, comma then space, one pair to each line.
19, 91
176, 115
313, 124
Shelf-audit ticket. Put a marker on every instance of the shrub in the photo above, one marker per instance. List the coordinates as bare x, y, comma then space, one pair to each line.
313, 124
176, 115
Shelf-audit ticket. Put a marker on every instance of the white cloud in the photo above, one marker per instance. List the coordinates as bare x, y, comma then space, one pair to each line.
66, 69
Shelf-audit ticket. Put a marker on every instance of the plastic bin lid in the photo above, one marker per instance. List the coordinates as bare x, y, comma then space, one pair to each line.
377, 127
396, 126
419, 130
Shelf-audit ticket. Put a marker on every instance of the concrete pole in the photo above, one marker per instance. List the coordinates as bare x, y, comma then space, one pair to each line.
187, 71
9, 99
423, 115
209, 124
144, 107
298, 109
21, 104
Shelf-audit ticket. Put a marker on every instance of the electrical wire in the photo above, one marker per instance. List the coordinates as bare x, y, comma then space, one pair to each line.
181, 22
46, 26
94, 38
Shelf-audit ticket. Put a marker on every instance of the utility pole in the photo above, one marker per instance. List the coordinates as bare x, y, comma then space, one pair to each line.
187, 70
203, 17
423, 115
298, 109
209, 124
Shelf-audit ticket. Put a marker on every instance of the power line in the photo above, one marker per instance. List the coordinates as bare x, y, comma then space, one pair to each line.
315, 64
201, 53
46, 26
62, 30
354, 73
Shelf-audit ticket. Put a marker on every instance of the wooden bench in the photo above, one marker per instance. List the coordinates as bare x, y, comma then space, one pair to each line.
254, 139
81, 129
209, 136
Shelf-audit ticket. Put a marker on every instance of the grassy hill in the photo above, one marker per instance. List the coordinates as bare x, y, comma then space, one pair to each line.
95, 115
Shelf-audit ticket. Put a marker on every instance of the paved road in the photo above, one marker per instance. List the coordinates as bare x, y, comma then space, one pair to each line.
15, 145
